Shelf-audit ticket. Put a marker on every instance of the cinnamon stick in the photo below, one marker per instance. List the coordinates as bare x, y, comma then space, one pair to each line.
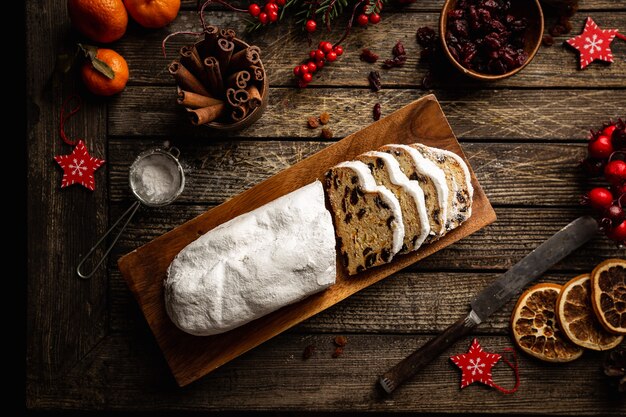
190, 58
228, 34
195, 101
214, 75
211, 34
239, 112
257, 72
245, 58
236, 97
238, 80
224, 52
205, 114
255, 98
186, 79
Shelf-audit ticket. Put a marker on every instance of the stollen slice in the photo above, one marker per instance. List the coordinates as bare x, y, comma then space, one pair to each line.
367, 217
431, 179
386, 171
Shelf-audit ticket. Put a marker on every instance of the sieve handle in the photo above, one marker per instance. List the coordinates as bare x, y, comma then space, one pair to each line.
130, 213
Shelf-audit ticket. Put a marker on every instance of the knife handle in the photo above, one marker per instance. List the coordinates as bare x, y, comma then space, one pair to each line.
415, 362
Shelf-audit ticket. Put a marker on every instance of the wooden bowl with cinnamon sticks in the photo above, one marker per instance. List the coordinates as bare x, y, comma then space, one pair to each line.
221, 81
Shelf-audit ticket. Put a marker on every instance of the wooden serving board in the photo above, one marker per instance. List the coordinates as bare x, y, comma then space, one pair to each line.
144, 269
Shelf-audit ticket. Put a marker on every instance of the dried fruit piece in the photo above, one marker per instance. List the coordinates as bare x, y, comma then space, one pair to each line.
368, 56
327, 133
376, 112
341, 341
324, 118
608, 292
374, 80
577, 318
535, 329
312, 122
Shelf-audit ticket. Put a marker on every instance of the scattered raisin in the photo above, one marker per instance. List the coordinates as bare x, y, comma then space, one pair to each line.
327, 133
341, 341
374, 79
426, 36
398, 49
395, 62
312, 122
368, 56
338, 352
376, 112
308, 352
324, 118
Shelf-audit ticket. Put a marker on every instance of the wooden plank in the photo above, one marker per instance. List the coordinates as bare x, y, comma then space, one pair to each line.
487, 114
497, 247
145, 268
66, 316
127, 373
435, 5
511, 173
284, 46
416, 302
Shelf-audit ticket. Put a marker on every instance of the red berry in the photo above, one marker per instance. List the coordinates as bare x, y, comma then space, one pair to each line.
338, 50
271, 7
320, 64
374, 18
307, 78
304, 68
600, 198
608, 131
312, 67
254, 9
312, 54
601, 147
618, 233
310, 26
273, 15
326, 47
263, 18
297, 70
362, 20
615, 172
319, 54
281, 3
331, 56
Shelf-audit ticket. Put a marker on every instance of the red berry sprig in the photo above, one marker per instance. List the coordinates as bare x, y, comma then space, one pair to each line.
269, 12
607, 157
318, 58
370, 13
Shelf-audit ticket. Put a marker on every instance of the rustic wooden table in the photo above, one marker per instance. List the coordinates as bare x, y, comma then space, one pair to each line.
89, 346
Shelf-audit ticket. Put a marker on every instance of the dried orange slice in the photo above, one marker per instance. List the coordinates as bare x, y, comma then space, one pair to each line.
578, 320
608, 294
535, 328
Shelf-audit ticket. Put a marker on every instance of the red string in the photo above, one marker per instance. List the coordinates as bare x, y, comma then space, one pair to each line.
65, 116
515, 369
622, 37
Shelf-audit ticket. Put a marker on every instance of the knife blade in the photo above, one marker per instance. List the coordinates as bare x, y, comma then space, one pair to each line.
492, 298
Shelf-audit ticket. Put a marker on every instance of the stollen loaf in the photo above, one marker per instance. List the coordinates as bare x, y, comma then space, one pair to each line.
254, 264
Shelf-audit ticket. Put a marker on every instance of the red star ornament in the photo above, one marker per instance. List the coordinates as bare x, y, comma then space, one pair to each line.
476, 365
78, 167
593, 44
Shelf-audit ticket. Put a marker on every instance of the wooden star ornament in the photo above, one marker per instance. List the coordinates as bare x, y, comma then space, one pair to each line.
594, 43
79, 167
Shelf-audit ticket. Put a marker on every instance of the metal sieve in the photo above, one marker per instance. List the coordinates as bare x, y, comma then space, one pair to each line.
148, 159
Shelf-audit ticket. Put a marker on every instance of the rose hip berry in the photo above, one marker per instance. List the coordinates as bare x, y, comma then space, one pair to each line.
254, 10
326, 47
615, 172
338, 50
374, 18
310, 26
602, 147
599, 198
362, 20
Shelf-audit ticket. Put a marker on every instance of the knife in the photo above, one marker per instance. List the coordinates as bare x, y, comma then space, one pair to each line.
492, 298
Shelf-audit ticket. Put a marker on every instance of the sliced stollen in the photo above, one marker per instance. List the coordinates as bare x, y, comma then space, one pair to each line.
254, 264
368, 218
459, 183
386, 171
431, 179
